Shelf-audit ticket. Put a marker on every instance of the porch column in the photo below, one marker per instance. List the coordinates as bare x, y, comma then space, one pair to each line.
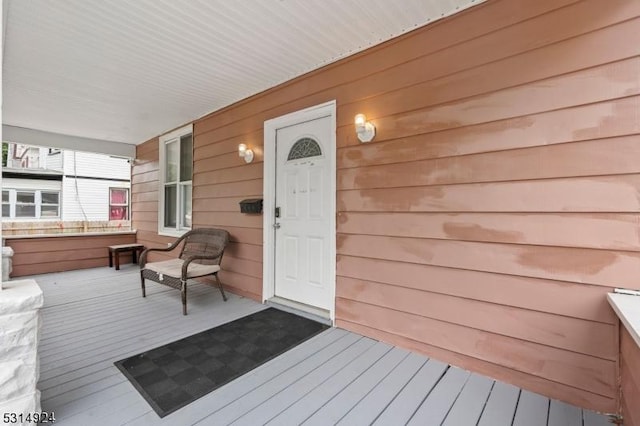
20, 303
7, 263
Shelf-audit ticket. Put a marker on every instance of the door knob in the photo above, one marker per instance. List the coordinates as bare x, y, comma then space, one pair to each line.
276, 225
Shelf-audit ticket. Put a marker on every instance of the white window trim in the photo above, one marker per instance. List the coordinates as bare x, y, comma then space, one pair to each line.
169, 232
35, 204
40, 204
126, 204
13, 202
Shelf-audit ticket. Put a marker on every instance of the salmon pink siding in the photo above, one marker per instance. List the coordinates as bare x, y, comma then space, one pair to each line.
57, 253
497, 205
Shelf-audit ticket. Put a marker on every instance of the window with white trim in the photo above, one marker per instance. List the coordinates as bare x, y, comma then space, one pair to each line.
6, 204
176, 171
26, 204
118, 204
30, 204
49, 204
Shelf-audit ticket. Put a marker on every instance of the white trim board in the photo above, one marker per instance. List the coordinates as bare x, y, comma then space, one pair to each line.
75, 143
628, 310
310, 312
327, 109
162, 140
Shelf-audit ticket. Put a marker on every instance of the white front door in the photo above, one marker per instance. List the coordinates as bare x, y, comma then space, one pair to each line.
303, 209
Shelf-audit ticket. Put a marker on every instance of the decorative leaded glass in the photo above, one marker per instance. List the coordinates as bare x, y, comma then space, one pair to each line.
303, 148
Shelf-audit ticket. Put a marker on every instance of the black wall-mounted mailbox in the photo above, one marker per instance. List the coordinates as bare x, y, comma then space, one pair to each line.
252, 205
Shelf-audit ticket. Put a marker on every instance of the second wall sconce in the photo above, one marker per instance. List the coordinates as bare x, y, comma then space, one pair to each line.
245, 153
365, 130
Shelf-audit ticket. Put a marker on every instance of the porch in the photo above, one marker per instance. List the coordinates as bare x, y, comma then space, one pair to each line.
94, 317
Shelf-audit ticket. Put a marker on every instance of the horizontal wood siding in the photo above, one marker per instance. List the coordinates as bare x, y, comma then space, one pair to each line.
630, 378
495, 208
43, 255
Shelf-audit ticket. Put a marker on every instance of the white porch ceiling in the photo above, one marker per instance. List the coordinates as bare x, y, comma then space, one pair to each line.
126, 71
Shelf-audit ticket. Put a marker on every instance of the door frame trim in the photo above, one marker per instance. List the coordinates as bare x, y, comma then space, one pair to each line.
327, 109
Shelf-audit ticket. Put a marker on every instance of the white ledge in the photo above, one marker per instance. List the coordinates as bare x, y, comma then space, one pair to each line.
628, 309
69, 234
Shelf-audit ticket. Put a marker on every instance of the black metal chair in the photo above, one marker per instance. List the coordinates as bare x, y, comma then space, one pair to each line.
200, 256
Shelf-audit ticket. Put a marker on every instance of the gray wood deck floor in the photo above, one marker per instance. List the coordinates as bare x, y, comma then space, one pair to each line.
95, 317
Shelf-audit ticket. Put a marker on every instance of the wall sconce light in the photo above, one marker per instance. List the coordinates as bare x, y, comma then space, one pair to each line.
365, 130
245, 153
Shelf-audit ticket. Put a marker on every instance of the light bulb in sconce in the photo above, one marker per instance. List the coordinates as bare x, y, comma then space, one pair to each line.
245, 153
365, 130
242, 148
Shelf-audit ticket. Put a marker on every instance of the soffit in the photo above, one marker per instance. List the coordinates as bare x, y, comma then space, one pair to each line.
127, 71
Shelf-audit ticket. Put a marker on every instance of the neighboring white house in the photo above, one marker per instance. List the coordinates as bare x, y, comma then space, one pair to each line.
40, 184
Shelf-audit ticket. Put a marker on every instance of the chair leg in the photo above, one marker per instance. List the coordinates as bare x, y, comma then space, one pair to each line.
224, 297
144, 294
184, 298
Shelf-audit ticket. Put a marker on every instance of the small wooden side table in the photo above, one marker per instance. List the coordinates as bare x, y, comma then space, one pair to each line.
135, 250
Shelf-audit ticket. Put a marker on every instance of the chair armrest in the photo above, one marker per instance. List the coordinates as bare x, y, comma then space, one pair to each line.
143, 256
188, 260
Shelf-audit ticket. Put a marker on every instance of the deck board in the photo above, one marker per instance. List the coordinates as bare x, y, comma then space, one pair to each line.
471, 401
351, 395
370, 407
305, 407
564, 414
272, 407
95, 317
277, 384
501, 405
590, 418
411, 396
532, 410
436, 406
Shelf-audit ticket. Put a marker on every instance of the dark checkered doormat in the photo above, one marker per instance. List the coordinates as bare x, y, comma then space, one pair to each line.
174, 375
